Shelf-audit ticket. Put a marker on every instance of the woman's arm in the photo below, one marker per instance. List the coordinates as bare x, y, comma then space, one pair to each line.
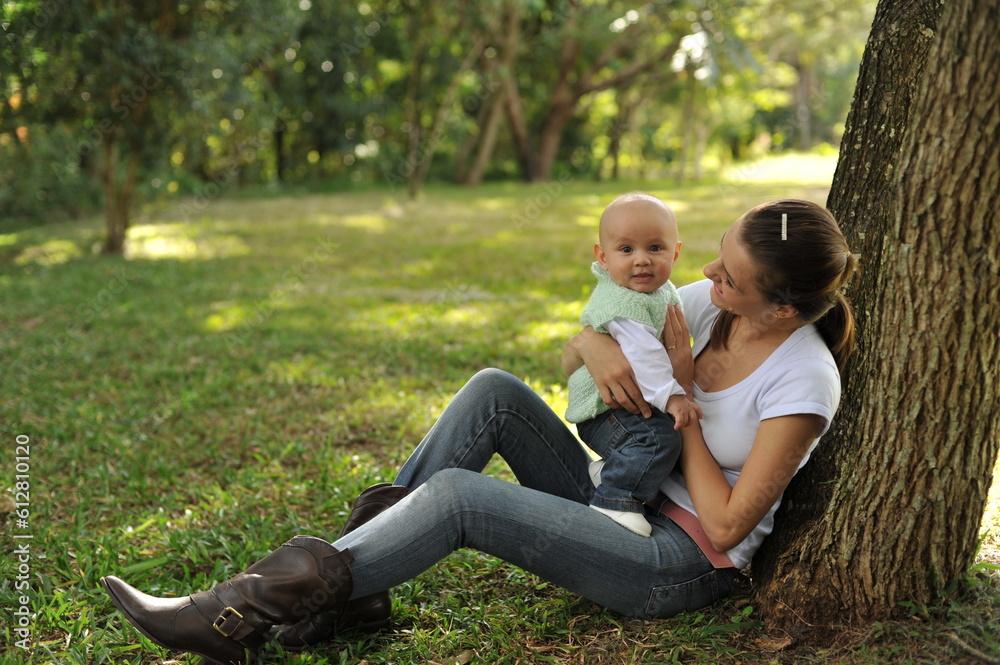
609, 367
729, 514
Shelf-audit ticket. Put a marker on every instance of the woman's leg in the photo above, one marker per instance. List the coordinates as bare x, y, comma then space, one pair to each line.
493, 413
497, 413
562, 541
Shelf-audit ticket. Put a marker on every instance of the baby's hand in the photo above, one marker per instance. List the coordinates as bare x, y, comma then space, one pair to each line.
684, 411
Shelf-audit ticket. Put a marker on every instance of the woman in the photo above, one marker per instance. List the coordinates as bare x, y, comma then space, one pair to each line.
771, 331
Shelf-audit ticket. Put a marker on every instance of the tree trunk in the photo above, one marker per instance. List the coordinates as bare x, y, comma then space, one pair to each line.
497, 97
861, 198
413, 107
518, 127
944, 413
550, 138
472, 142
488, 140
279, 149
700, 146
889, 507
618, 127
566, 96
628, 102
803, 103
422, 147
688, 112
115, 213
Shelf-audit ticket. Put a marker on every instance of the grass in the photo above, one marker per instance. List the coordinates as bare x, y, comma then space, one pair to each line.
255, 363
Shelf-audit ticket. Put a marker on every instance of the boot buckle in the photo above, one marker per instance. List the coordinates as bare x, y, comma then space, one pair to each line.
224, 617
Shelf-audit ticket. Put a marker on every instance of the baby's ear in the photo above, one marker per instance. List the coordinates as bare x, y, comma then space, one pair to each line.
600, 256
677, 250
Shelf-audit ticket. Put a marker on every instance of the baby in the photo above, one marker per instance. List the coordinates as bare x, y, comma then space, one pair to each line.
635, 256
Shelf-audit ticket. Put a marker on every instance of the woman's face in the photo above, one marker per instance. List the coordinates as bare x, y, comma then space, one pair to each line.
734, 277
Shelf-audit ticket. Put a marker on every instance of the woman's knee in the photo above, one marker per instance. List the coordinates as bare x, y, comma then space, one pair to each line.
454, 494
453, 485
503, 387
492, 378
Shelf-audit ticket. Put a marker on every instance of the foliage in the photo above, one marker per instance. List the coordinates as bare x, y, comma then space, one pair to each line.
199, 97
244, 373
34, 185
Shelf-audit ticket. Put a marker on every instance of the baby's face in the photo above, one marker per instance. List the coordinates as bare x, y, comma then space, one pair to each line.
638, 245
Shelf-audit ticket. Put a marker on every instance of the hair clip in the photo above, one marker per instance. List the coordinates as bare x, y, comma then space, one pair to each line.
784, 226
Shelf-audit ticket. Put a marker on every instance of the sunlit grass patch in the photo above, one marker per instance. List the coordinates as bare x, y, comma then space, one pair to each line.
50, 253
182, 242
790, 168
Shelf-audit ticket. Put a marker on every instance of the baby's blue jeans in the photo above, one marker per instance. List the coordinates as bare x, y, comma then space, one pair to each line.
639, 453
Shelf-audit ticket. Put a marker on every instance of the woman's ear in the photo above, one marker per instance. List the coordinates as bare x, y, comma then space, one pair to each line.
785, 311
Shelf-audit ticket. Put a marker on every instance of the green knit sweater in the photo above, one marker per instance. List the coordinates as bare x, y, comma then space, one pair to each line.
610, 301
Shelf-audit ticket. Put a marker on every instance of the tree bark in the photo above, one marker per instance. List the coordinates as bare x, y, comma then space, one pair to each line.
889, 507
118, 197
518, 127
688, 113
804, 68
279, 149
488, 139
413, 104
471, 143
627, 104
116, 219
943, 272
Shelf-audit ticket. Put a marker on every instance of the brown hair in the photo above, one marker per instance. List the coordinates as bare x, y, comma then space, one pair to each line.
803, 262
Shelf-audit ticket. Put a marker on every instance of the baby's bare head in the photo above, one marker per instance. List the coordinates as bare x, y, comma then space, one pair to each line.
635, 206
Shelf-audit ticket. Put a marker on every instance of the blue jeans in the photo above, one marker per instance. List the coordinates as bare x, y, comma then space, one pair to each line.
639, 453
543, 524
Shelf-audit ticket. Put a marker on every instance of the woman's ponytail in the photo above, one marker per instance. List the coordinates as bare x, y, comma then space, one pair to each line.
837, 329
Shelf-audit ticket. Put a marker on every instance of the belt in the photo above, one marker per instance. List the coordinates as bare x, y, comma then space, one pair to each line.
689, 523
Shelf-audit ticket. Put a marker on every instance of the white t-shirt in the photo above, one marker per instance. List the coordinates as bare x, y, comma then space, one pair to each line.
801, 376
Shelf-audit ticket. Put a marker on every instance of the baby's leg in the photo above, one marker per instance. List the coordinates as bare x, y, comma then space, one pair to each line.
639, 453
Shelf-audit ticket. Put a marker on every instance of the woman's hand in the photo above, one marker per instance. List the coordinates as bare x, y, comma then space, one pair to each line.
677, 342
611, 371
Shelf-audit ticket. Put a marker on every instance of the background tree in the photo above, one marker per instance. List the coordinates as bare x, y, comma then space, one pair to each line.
113, 73
810, 38
899, 492
599, 48
329, 94
444, 55
495, 99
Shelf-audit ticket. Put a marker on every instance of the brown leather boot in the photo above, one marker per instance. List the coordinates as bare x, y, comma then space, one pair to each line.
305, 576
369, 613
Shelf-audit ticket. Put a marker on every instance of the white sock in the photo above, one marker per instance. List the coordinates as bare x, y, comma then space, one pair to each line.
634, 522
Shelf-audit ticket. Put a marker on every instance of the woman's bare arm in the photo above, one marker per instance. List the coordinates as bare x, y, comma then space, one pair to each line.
729, 514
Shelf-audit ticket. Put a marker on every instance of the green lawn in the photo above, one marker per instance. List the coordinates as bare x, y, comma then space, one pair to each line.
255, 362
